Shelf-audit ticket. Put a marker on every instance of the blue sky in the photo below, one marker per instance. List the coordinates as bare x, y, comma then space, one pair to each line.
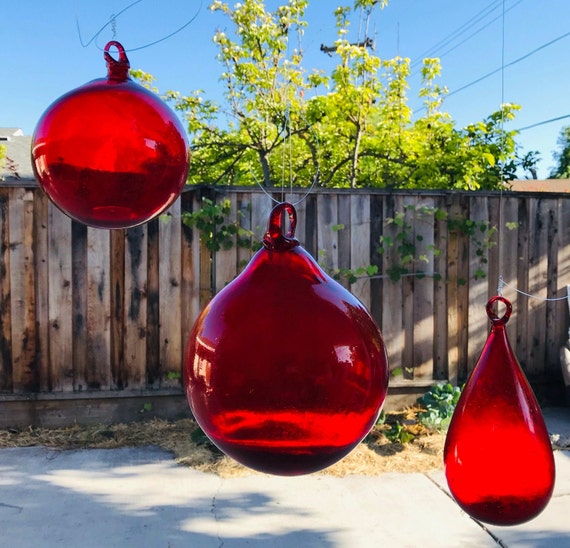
42, 56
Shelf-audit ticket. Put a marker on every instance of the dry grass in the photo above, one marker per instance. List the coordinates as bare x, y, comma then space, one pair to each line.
374, 456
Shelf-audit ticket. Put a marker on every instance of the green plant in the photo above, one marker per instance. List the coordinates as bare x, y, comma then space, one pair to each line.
393, 430
215, 228
353, 274
398, 434
439, 403
405, 241
199, 437
480, 234
146, 408
173, 375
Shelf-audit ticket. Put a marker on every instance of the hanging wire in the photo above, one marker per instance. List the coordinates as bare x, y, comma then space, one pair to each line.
112, 21
302, 199
503, 284
114, 26
503, 144
287, 149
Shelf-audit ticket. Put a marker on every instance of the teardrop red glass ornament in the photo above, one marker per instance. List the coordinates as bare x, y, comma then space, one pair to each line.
285, 370
498, 457
110, 153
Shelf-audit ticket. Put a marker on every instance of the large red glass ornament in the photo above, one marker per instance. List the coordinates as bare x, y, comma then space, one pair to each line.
285, 370
498, 457
110, 153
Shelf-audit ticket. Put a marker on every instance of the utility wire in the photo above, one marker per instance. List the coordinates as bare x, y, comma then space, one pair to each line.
544, 122
526, 56
480, 29
457, 32
495, 71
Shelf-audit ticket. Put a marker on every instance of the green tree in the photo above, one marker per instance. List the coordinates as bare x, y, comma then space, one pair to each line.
2, 157
350, 128
562, 157
264, 91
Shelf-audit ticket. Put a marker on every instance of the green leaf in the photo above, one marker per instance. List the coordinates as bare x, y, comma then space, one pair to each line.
372, 270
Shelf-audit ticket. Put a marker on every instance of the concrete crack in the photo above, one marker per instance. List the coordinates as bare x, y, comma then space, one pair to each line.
19, 508
480, 524
213, 511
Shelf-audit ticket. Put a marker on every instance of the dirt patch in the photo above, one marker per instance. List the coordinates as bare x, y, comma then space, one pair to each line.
374, 456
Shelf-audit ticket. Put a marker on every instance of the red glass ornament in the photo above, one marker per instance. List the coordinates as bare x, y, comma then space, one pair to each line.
498, 457
285, 370
110, 153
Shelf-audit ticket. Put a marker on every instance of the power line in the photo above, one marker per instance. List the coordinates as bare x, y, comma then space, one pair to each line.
544, 122
526, 56
480, 29
489, 74
465, 26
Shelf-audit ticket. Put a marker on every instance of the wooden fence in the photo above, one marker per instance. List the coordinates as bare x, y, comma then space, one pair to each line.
88, 311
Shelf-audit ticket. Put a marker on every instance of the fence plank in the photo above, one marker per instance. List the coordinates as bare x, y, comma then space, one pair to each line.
169, 270
311, 227
5, 300
376, 258
562, 313
563, 272
392, 326
226, 259
120, 379
509, 260
153, 373
478, 280
343, 237
189, 286
457, 296
98, 310
41, 262
136, 305
360, 243
243, 209
537, 285
423, 289
24, 373
552, 345
440, 306
522, 346
261, 206
79, 296
327, 237
60, 301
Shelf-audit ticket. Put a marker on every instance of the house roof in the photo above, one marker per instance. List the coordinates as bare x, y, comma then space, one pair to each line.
17, 166
545, 185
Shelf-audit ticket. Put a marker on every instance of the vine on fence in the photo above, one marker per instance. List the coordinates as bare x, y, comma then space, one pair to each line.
219, 232
405, 241
215, 230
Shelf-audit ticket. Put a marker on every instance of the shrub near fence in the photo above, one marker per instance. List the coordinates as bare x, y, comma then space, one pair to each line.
88, 312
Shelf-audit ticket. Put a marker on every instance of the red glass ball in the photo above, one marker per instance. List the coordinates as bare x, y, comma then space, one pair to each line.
110, 153
498, 457
285, 370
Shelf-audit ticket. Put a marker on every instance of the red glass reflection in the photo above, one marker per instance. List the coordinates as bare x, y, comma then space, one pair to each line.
498, 457
110, 153
285, 370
